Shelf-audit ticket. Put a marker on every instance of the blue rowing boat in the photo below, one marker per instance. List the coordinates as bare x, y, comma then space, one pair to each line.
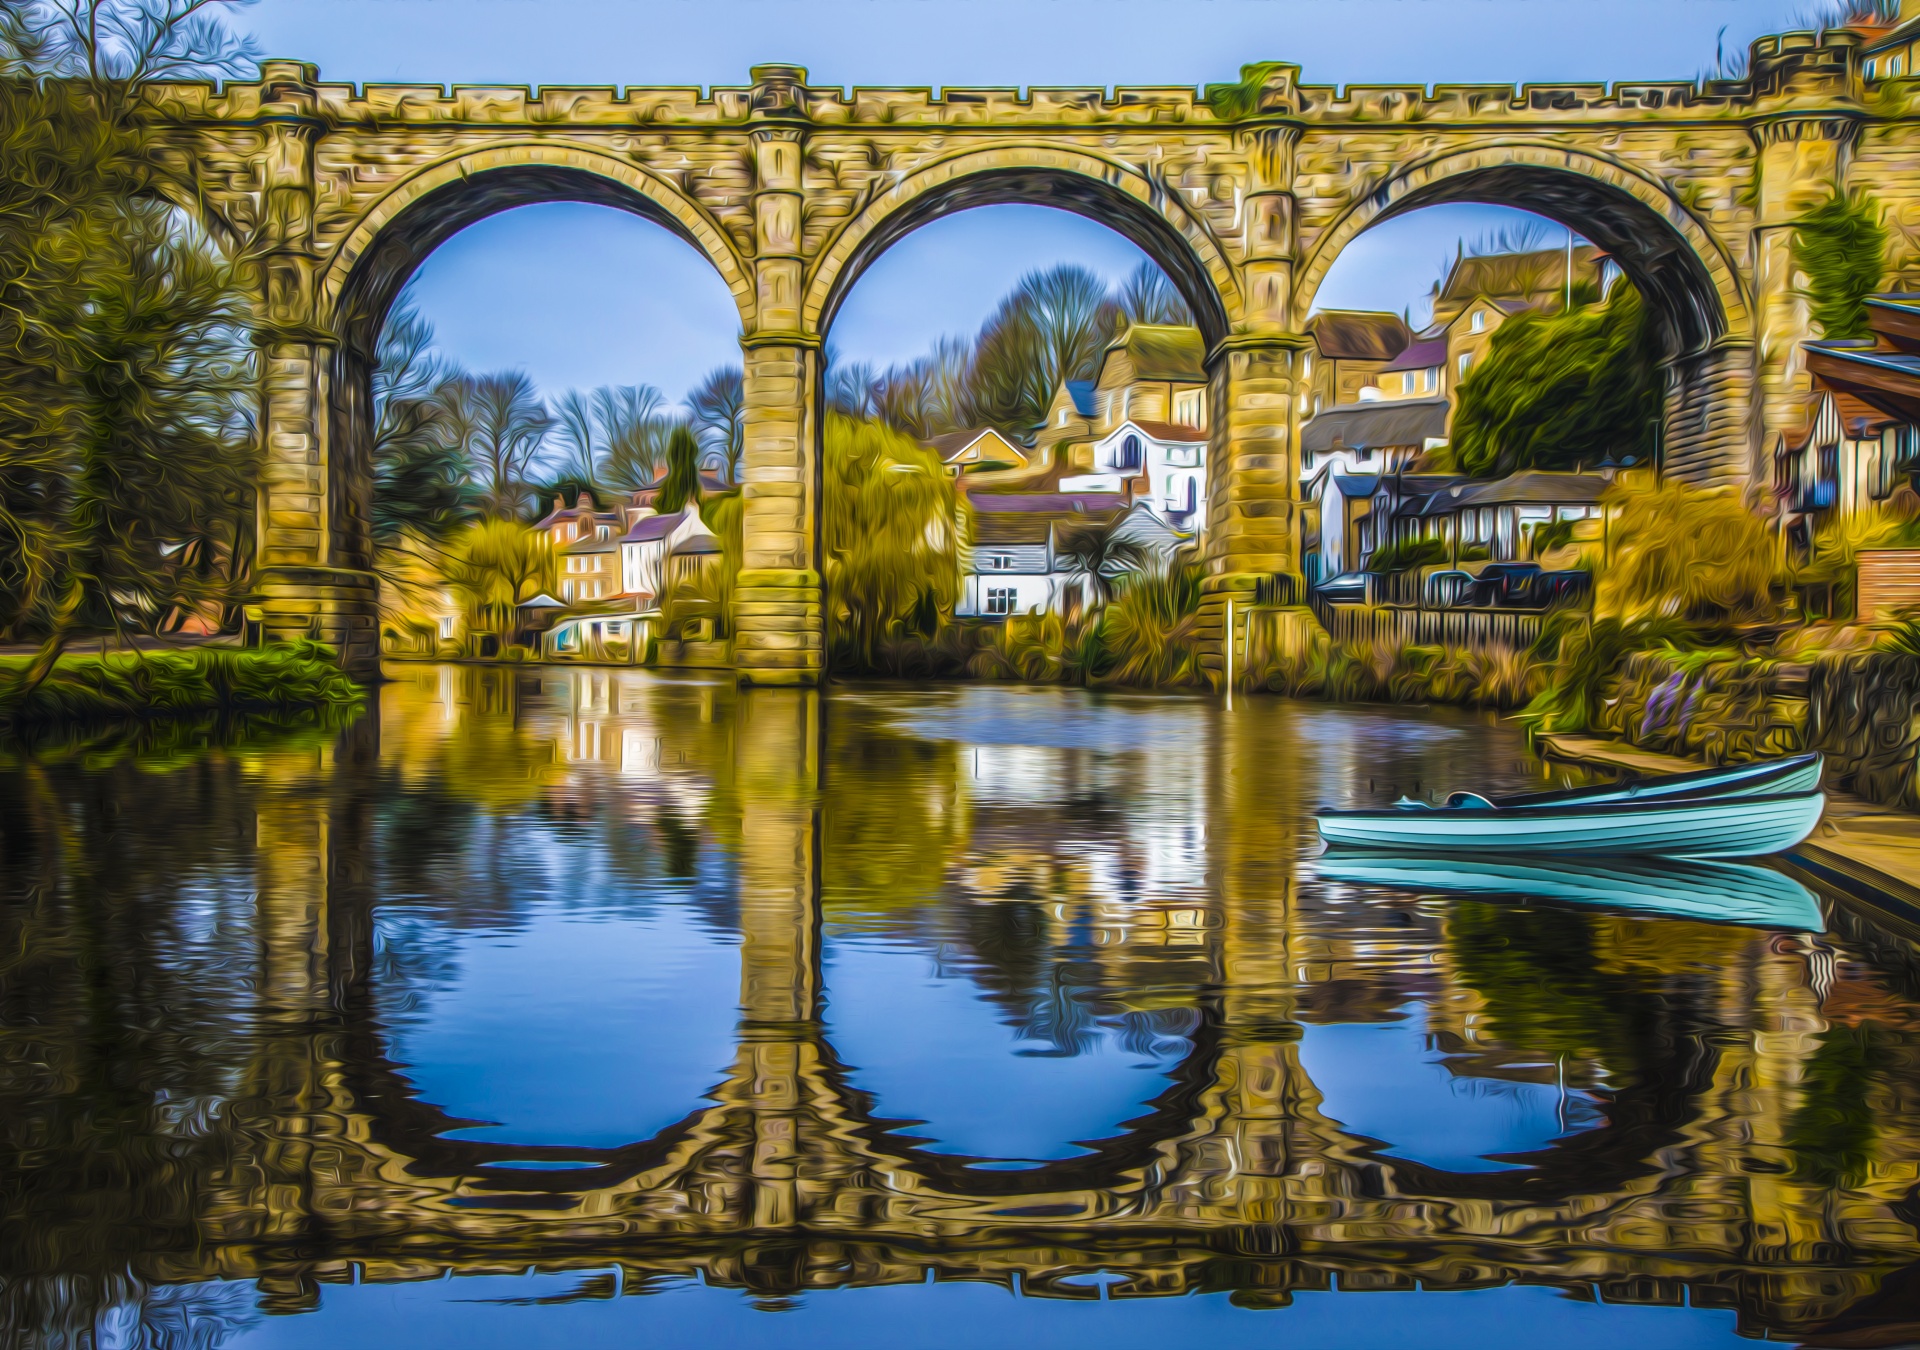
1714, 892
1686, 827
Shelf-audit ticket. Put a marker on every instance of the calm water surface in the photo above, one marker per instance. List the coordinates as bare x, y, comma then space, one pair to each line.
596, 1007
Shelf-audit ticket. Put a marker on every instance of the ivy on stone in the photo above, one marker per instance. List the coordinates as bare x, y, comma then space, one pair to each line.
1840, 247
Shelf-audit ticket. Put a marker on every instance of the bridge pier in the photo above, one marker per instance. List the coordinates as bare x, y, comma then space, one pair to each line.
778, 610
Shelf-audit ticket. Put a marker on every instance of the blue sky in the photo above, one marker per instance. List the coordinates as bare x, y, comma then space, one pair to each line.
580, 295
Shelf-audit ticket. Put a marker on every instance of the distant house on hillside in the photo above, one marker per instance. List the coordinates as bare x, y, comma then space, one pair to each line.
1350, 349
1159, 464
1537, 280
1137, 430
981, 448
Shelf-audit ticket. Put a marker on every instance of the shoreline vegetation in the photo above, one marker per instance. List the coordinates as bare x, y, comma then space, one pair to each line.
184, 683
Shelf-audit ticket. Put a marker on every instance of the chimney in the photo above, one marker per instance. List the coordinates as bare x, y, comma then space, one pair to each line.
584, 503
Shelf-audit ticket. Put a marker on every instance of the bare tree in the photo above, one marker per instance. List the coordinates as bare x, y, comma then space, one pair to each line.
719, 421
125, 43
578, 424
1148, 297
635, 425
503, 426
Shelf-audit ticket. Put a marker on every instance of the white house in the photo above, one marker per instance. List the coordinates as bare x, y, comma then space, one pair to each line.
1163, 464
1017, 563
645, 547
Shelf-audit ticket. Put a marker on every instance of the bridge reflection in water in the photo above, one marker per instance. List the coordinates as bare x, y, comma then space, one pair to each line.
217, 978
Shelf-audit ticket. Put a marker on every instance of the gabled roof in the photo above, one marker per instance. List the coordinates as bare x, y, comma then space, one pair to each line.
1537, 487
1517, 274
656, 526
1163, 351
1358, 334
1170, 432
955, 445
695, 544
1420, 356
1376, 426
1878, 40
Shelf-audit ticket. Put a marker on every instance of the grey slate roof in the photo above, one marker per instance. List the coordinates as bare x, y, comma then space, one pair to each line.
1376, 426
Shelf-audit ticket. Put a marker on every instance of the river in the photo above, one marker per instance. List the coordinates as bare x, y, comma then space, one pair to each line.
594, 1007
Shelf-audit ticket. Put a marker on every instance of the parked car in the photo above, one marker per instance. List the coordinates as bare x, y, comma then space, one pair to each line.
1505, 585
1349, 588
1447, 588
1524, 586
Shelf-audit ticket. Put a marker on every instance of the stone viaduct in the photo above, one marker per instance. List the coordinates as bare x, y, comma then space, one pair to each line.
1245, 195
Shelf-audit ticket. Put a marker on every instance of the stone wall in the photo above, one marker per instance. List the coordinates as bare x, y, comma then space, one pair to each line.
1724, 710
1864, 715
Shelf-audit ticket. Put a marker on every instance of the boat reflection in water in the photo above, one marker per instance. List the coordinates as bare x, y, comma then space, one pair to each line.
1714, 892
926, 1017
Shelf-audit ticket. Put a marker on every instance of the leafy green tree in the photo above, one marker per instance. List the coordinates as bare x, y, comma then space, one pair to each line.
1559, 391
891, 524
719, 405
494, 566
1840, 247
681, 486
126, 445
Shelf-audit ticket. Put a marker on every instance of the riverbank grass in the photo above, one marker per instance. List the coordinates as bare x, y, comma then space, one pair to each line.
82, 687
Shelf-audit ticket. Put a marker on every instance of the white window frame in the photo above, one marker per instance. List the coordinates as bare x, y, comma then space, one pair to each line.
1002, 599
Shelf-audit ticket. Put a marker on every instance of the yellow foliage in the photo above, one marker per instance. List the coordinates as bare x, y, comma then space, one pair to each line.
1680, 552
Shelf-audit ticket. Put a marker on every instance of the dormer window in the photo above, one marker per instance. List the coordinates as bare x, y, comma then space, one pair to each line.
1479, 324
1063, 417
606, 532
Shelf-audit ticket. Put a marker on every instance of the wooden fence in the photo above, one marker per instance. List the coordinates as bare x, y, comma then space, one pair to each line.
1414, 625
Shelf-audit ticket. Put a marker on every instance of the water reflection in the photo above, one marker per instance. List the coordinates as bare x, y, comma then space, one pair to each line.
656, 986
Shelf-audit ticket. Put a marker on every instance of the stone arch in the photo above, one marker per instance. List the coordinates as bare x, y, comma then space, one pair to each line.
427, 208
1144, 210
1668, 254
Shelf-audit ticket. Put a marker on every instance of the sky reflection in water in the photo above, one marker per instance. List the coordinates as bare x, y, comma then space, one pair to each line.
772, 1006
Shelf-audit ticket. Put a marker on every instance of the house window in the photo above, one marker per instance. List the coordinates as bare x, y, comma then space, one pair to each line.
1893, 67
605, 532
999, 562
1870, 71
1479, 321
1190, 407
1000, 599
1466, 359
1306, 366
1063, 417
446, 627
1430, 379
1129, 453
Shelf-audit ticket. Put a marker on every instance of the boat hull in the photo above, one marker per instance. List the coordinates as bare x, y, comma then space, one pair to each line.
1789, 777
1719, 827
1714, 892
